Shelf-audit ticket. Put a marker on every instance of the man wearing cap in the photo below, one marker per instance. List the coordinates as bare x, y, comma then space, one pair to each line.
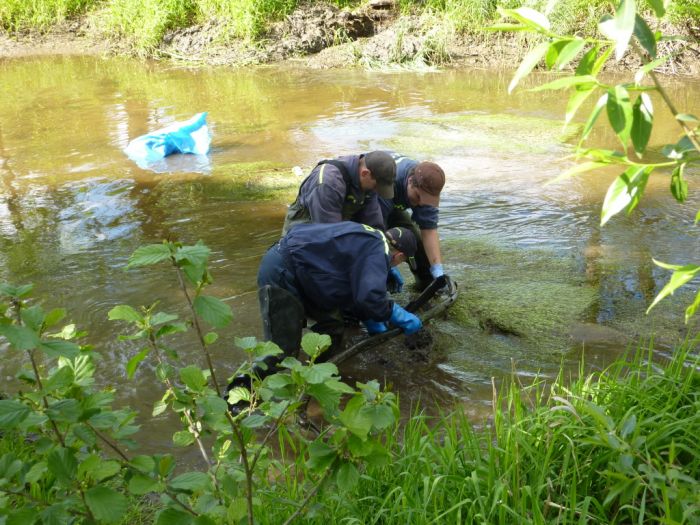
418, 186
344, 189
318, 269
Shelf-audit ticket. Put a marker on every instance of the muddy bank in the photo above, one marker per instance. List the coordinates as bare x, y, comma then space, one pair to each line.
323, 36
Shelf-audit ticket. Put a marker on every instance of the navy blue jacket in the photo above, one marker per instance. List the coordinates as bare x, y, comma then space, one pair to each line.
426, 217
343, 265
324, 197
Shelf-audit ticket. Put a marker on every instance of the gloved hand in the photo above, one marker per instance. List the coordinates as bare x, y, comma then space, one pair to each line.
374, 327
436, 270
405, 320
394, 281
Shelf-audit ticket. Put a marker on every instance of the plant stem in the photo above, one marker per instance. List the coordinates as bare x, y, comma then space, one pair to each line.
246, 467
671, 106
311, 493
197, 327
109, 443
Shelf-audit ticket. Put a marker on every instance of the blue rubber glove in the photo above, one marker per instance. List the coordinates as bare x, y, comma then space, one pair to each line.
436, 270
374, 327
405, 320
394, 281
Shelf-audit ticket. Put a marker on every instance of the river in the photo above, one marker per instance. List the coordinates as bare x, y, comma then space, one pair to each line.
73, 208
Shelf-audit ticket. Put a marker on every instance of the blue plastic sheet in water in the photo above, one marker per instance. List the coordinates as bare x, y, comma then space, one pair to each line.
191, 136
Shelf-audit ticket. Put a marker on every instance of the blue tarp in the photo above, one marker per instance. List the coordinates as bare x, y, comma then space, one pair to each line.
191, 136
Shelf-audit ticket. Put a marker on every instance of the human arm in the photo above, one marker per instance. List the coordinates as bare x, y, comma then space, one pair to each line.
431, 243
326, 196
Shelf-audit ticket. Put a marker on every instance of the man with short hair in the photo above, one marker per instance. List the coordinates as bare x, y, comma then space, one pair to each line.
417, 186
344, 189
317, 270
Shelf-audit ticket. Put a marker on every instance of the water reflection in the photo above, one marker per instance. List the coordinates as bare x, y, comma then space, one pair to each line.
73, 207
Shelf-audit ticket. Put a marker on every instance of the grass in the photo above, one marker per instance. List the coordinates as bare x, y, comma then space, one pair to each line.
614, 447
20, 15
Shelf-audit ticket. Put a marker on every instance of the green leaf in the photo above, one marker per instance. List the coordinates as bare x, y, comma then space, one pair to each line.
213, 310
528, 64
105, 469
625, 192
690, 311
569, 52
190, 481
602, 102
147, 255
641, 72
575, 101
642, 122
621, 27
585, 81
585, 65
33, 317
15, 291
355, 419
679, 150
681, 275
57, 349
12, 413
20, 337
645, 36
61, 378
140, 484
134, 362
554, 50
171, 516
328, 398
531, 18
66, 410
196, 255
246, 343
161, 317
171, 328
679, 186
265, 349
659, 7
619, 109
238, 394
578, 168
381, 416
143, 463
106, 505
210, 338
320, 455
314, 344
54, 317
63, 465
318, 373
255, 421
601, 60
347, 477
25, 516
193, 378
685, 117
124, 312
183, 438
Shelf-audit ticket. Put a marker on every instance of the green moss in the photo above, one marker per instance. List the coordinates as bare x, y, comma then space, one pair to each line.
441, 134
258, 181
518, 298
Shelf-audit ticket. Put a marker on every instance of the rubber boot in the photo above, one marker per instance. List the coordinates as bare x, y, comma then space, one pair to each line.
283, 320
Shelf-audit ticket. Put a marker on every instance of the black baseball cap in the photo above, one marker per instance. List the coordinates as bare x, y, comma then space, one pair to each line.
403, 240
383, 168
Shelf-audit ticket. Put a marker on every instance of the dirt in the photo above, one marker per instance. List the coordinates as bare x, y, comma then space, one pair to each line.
323, 36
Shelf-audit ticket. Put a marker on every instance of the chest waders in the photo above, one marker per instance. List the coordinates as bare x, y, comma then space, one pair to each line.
299, 214
283, 320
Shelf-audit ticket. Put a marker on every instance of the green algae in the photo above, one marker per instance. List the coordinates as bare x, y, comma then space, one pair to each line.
258, 181
447, 133
518, 300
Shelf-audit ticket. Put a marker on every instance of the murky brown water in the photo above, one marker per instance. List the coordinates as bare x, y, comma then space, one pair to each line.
73, 207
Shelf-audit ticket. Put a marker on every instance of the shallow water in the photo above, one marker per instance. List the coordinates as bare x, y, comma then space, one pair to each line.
73, 207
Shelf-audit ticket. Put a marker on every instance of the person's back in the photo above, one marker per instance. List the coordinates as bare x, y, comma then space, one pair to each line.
343, 189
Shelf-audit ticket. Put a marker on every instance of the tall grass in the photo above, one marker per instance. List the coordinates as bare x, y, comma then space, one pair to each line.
19, 15
616, 447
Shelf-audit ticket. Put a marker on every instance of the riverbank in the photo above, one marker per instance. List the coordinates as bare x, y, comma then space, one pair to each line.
379, 34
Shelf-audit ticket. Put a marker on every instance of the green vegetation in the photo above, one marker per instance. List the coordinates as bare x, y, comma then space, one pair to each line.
18, 15
618, 446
